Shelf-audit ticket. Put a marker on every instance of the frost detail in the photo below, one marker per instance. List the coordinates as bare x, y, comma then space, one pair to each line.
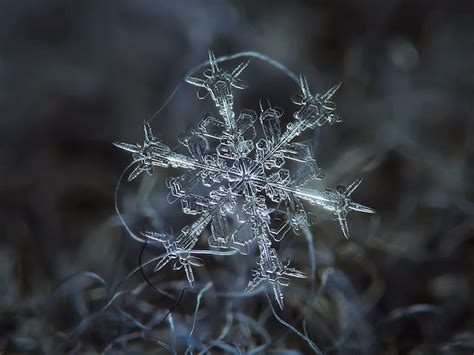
242, 160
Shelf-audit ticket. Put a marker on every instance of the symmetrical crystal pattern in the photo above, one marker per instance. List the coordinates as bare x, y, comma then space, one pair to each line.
237, 177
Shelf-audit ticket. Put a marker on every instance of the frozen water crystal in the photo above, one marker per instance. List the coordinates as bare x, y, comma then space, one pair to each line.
242, 160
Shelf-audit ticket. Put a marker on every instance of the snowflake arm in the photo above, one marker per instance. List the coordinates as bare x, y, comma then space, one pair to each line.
316, 110
337, 202
155, 153
220, 84
179, 248
271, 271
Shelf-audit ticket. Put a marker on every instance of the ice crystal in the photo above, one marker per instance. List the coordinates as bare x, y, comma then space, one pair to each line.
251, 196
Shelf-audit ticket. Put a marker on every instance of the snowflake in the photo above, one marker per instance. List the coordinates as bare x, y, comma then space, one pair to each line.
247, 194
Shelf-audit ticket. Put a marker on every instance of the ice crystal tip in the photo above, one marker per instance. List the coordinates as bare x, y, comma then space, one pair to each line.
240, 160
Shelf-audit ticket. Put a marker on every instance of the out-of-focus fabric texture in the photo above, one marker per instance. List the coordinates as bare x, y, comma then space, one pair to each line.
76, 76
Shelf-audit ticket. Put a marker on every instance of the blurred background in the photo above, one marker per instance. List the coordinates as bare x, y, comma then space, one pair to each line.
76, 76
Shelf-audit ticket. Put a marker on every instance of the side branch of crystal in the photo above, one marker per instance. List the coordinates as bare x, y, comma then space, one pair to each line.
238, 178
